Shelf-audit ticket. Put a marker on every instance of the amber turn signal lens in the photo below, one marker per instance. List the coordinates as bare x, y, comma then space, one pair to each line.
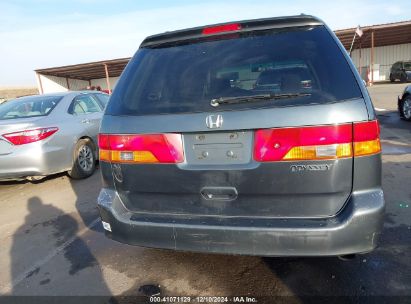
367, 147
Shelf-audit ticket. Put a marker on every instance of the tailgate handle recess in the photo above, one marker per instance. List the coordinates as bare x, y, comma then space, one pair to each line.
219, 193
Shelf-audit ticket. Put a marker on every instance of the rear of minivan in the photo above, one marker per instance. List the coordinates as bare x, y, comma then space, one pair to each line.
254, 137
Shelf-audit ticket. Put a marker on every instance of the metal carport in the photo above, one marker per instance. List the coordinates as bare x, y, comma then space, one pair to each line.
102, 74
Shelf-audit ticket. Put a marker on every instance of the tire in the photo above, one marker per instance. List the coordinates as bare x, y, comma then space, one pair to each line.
405, 108
392, 79
403, 78
84, 162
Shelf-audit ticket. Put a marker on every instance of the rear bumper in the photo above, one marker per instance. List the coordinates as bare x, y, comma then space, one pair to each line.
354, 230
33, 159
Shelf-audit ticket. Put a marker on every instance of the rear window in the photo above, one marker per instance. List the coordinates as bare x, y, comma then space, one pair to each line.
185, 77
30, 106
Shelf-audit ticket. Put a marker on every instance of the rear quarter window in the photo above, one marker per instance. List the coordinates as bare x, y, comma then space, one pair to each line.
185, 77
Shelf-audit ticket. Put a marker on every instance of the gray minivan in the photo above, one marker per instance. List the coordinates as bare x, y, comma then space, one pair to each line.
239, 138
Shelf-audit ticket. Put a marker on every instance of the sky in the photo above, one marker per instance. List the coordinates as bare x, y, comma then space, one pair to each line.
46, 33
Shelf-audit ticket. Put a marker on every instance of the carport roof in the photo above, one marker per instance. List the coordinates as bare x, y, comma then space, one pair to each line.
384, 34
88, 71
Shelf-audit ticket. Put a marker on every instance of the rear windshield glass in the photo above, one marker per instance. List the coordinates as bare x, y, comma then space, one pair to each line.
305, 64
30, 106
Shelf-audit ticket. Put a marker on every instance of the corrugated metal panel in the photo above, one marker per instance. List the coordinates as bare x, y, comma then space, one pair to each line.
77, 84
384, 56
103, 83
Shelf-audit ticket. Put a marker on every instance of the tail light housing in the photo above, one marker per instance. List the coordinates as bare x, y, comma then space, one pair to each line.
146, 148
317, 142
30, 136
366, 138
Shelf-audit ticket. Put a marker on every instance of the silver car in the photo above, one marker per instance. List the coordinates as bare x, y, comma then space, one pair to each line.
45, 134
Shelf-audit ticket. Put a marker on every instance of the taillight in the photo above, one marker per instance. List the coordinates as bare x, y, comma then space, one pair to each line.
366, 138
222, 28
147, 148
318, 142
303, 143
29, 136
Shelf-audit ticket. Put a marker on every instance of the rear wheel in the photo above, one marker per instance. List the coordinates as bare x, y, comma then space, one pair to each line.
403, 78
84, 163
406, 108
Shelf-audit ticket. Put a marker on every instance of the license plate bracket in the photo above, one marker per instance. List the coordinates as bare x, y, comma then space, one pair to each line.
218, 148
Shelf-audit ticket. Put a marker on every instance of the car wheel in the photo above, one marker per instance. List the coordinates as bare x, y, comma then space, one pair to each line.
406, 108
403, 78
84, 163
392, 79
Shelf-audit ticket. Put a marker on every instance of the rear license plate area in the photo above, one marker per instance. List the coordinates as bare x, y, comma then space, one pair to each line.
218, 148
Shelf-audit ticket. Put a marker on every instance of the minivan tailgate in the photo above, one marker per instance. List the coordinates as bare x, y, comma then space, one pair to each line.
261, 190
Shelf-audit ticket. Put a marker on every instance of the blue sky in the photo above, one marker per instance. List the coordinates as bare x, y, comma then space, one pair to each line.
46, 33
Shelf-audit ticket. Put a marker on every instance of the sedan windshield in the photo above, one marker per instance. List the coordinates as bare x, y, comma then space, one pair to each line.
30, 106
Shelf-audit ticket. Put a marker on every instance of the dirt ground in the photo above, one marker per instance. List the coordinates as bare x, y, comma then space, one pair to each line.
13, 92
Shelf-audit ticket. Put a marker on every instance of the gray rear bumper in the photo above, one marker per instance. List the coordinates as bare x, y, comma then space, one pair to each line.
354, 230
34, 159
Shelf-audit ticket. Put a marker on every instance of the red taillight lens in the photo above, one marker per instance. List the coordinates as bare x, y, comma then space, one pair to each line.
148, 148
367, 130
222, 28
29, 136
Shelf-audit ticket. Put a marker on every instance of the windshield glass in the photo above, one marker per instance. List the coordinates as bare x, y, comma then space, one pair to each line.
407, 66
30, 106
185, 77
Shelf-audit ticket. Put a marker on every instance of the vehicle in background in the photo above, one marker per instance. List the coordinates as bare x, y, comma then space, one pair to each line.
45, 134
404, 104
401, 70
255, 137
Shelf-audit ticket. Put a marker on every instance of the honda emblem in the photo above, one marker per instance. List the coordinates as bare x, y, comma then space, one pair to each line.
214, 121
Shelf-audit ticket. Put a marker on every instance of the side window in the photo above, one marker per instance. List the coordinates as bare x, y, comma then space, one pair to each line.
103, 98
84, 104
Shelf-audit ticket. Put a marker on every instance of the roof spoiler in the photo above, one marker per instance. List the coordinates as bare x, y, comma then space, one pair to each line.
231, 27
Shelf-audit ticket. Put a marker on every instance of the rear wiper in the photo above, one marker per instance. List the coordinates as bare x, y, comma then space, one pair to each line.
251, 98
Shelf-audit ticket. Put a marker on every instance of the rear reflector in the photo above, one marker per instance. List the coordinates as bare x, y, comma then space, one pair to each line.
222, 29
318, 142
29, 136
148, 148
